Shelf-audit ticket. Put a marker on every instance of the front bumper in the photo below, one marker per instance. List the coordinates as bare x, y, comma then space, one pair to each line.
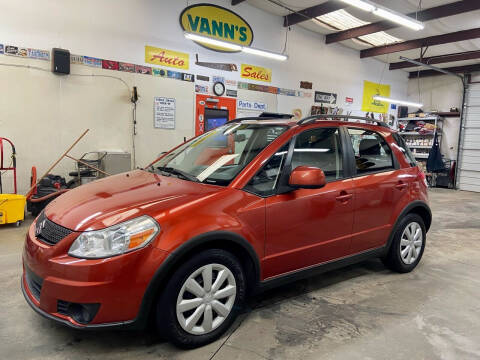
118, 284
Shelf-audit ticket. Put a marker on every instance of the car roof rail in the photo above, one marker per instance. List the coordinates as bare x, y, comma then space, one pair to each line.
263, 116
311, 119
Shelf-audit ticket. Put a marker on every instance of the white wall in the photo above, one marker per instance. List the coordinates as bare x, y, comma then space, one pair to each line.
440, 93
44, 112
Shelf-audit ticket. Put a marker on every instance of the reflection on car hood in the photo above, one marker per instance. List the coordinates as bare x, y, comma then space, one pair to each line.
117, 198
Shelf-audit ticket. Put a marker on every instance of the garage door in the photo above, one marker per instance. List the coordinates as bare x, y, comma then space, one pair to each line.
469, 174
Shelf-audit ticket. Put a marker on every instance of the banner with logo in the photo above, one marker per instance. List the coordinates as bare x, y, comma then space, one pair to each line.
165, 57
218, 23
258, 73
370, 89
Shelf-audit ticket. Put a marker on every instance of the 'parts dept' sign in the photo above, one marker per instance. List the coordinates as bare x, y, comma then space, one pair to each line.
218, 23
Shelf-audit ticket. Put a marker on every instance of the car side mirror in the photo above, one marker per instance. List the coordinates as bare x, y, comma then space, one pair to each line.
307, 177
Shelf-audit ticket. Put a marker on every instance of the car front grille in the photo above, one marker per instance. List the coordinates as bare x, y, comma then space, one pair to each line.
49, 232
34, 283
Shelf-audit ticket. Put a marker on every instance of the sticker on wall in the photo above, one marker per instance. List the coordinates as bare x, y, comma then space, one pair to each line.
127, 67
110, 64
202, 78
159, 72
39, 54
306, 85
22, 52
251, 105
11, 50
145, 70
218, 23
165, 57
219, 79
188, 77
91, 61
76, 59
287, 92
325, 97
258, 73
348, 101
263, 88
202, 89
1, 48
370, 89
216, 66
242, 85
230, 82
174, 75
307, 94
231, 92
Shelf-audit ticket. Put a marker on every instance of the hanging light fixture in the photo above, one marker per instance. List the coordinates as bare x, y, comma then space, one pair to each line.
386, 13
399, 102
235, 47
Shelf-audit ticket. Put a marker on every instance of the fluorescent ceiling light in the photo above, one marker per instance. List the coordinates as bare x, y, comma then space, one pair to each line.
400, 102
215, 42
264, 53
385, 13
360, 4
235, 47
399, 19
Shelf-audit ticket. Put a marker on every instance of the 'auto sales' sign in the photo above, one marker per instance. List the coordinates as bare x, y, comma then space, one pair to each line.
326, 98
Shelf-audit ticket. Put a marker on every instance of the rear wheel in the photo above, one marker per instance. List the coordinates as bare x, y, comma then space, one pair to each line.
408, 244
202, 299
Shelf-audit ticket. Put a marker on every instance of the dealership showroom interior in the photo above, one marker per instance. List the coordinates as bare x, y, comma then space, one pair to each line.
240, 179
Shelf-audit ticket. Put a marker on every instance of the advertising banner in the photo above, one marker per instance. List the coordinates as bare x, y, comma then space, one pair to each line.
258, 73
165, 57
370, 89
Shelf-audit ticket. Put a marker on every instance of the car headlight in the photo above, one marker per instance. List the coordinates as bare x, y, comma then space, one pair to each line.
115, 240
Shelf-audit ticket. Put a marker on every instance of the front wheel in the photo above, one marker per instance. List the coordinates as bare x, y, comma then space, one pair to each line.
408, 244
202, 299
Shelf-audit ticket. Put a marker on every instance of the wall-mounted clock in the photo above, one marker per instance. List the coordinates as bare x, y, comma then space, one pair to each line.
218, 88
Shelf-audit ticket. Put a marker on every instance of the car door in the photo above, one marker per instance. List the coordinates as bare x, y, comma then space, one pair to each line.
305, 227
378, 184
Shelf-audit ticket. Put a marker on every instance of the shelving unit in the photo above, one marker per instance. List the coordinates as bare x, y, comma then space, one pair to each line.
411, 135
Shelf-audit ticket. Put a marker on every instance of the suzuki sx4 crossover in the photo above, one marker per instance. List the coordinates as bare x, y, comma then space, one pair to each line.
246, 206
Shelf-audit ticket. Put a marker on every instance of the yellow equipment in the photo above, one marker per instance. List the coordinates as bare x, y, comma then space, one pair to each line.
12, 208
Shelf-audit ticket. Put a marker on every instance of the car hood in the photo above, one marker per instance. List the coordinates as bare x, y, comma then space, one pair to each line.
117, 198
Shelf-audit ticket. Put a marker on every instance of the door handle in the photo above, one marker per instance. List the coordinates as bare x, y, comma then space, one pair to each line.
401, 185
344, 197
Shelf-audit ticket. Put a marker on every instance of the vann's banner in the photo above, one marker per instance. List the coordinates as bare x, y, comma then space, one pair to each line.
218, 23
258, 73
369, 104
165, 57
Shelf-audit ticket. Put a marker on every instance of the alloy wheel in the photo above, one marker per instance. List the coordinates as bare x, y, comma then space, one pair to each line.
206, 299
411, 243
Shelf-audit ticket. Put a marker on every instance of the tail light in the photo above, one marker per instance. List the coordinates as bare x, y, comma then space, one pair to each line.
421, 176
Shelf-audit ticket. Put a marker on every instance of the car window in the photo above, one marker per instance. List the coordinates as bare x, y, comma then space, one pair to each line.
266, 180
372, 153
409, 157
320, 148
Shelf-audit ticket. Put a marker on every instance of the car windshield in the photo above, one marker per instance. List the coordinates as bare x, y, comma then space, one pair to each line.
217, 156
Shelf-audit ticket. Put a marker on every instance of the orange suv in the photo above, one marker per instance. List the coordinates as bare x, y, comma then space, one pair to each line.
246, 206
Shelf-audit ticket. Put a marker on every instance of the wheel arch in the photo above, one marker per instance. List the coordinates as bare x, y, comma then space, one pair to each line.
224, 240
416, 207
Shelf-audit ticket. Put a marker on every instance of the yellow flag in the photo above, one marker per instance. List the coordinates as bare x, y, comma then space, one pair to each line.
370, 89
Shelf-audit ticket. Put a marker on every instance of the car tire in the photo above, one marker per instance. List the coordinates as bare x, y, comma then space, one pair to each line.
407, 245
218, 308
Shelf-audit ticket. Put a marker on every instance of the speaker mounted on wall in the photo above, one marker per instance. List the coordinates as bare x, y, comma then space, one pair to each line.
60, 61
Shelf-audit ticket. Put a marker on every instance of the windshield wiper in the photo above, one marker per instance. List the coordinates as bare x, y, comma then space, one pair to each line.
178, 172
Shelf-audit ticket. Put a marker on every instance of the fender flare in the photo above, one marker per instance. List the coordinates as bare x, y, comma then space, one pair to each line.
172, 259
407, 209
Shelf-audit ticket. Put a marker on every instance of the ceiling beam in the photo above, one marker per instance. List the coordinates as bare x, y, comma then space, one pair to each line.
433, 13
456, 69
312, 12
419, 43
236, 2
440, 59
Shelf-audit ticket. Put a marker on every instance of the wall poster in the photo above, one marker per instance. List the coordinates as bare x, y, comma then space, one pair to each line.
164, 113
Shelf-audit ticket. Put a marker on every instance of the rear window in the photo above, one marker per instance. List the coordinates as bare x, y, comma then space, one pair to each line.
409, 157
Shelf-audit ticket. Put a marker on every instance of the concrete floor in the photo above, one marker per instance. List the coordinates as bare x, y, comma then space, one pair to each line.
360, 312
